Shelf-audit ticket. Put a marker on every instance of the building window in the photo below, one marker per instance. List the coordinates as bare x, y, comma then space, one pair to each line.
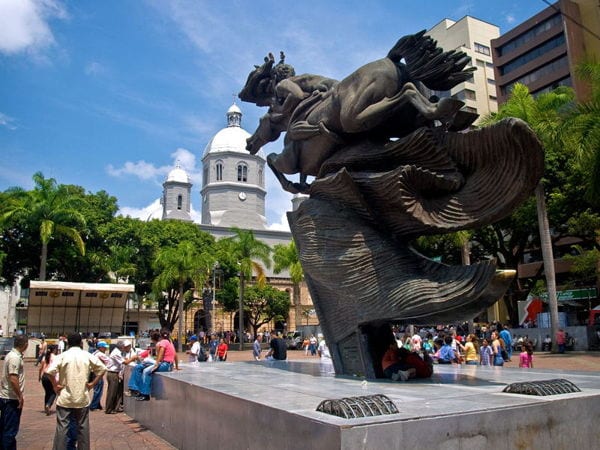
493, 97
260, 177
533, 54
242, 171
469, 109
179, 201
554, 66
519, 41
483, 49
205, 176
219, 169
491, 81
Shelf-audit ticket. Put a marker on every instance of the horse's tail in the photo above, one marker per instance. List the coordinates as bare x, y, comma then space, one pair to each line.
426, 62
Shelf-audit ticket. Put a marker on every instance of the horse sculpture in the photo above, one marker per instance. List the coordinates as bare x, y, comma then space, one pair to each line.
389, 166
321, 114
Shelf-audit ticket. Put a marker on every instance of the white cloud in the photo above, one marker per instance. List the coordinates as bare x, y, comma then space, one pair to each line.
141, 169
510, 18
149, 172
24, 25
282, 225
7, 122
152, 211
94, 68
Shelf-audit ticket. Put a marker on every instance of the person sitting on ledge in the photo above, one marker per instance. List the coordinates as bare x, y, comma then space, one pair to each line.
166, 357
392, 366
402, 364
416, 366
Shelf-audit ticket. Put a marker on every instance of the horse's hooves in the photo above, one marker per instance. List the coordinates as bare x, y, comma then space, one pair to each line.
301, 188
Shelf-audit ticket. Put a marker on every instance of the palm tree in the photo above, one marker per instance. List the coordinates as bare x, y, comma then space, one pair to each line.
179, 267
51, 208
249, 252
543, 115
285, 257
582, 127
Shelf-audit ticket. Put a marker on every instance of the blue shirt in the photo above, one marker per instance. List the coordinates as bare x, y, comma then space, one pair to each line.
447, 353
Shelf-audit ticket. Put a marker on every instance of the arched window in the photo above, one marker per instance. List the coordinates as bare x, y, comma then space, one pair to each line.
260, 177
219, 169
242, 171
179, 201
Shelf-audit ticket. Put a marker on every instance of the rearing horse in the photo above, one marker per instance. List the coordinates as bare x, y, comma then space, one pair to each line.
319, 114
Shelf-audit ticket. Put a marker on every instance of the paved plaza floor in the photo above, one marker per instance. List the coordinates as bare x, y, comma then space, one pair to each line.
119, 431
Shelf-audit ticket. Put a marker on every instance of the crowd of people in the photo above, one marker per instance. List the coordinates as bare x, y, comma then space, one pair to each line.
74, 379
487, 346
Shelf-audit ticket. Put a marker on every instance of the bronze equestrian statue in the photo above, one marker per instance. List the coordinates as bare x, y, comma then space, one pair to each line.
390, 164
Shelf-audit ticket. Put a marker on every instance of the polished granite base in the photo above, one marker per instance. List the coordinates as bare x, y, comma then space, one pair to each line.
272, 405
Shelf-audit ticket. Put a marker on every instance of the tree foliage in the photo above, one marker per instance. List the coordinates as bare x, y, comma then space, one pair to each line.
264, 304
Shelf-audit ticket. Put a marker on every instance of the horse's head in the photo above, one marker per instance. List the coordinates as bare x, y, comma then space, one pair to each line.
266, 132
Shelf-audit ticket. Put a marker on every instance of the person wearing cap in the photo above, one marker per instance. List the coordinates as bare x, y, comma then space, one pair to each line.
100, 353
194, 350
114, 377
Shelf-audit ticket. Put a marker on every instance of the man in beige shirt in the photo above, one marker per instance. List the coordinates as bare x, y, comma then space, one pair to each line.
11, 393
73, 367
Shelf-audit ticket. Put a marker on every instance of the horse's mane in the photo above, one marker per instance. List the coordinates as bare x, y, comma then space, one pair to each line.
424, 61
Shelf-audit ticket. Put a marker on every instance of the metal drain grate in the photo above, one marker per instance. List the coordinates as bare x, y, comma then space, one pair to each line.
544, 387
354, 407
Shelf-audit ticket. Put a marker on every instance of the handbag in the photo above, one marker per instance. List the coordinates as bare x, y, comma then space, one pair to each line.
504, 355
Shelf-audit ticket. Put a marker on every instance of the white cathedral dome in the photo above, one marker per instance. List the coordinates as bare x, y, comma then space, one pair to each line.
232, 138
178, 175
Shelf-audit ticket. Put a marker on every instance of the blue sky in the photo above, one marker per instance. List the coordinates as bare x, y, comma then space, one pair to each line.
109, 94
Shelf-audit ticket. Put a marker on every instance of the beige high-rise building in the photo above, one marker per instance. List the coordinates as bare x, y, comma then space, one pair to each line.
472, 36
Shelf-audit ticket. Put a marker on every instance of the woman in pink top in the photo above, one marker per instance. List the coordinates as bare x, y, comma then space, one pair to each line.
166, 357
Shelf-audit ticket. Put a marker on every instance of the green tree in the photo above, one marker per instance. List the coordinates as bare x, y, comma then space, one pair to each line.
264, 304
180, 270
542, 114
249, 253
285, 257
581, 128
52, 209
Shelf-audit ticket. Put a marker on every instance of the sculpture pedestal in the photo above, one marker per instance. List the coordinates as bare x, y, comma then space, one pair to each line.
264, 405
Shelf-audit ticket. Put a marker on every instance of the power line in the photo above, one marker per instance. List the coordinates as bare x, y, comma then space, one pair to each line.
579, 24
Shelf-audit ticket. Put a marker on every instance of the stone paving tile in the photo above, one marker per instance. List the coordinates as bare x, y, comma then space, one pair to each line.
119, 431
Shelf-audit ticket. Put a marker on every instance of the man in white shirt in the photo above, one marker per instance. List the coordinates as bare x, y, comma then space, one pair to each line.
323, 350
11, 393
72, 388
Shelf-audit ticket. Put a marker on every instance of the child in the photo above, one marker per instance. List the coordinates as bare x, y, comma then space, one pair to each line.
485, 353
526, 356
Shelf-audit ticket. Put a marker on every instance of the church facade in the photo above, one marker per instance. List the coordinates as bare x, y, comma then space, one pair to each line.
233, 194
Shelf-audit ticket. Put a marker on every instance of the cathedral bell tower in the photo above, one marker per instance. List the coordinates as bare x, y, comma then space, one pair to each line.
233, 184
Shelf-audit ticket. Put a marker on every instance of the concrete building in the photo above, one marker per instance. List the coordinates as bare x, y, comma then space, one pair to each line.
176, 197
472, 36
543, 51
233, 195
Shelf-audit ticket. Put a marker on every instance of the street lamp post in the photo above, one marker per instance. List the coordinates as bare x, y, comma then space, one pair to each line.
214, 298
241, 313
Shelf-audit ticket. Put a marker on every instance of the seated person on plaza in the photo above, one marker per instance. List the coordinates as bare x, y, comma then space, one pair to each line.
402, 364
547, 344
416, 366
447, 354
141, 377
390, 363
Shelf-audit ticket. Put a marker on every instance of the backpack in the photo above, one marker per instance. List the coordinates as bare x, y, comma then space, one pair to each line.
202, 355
